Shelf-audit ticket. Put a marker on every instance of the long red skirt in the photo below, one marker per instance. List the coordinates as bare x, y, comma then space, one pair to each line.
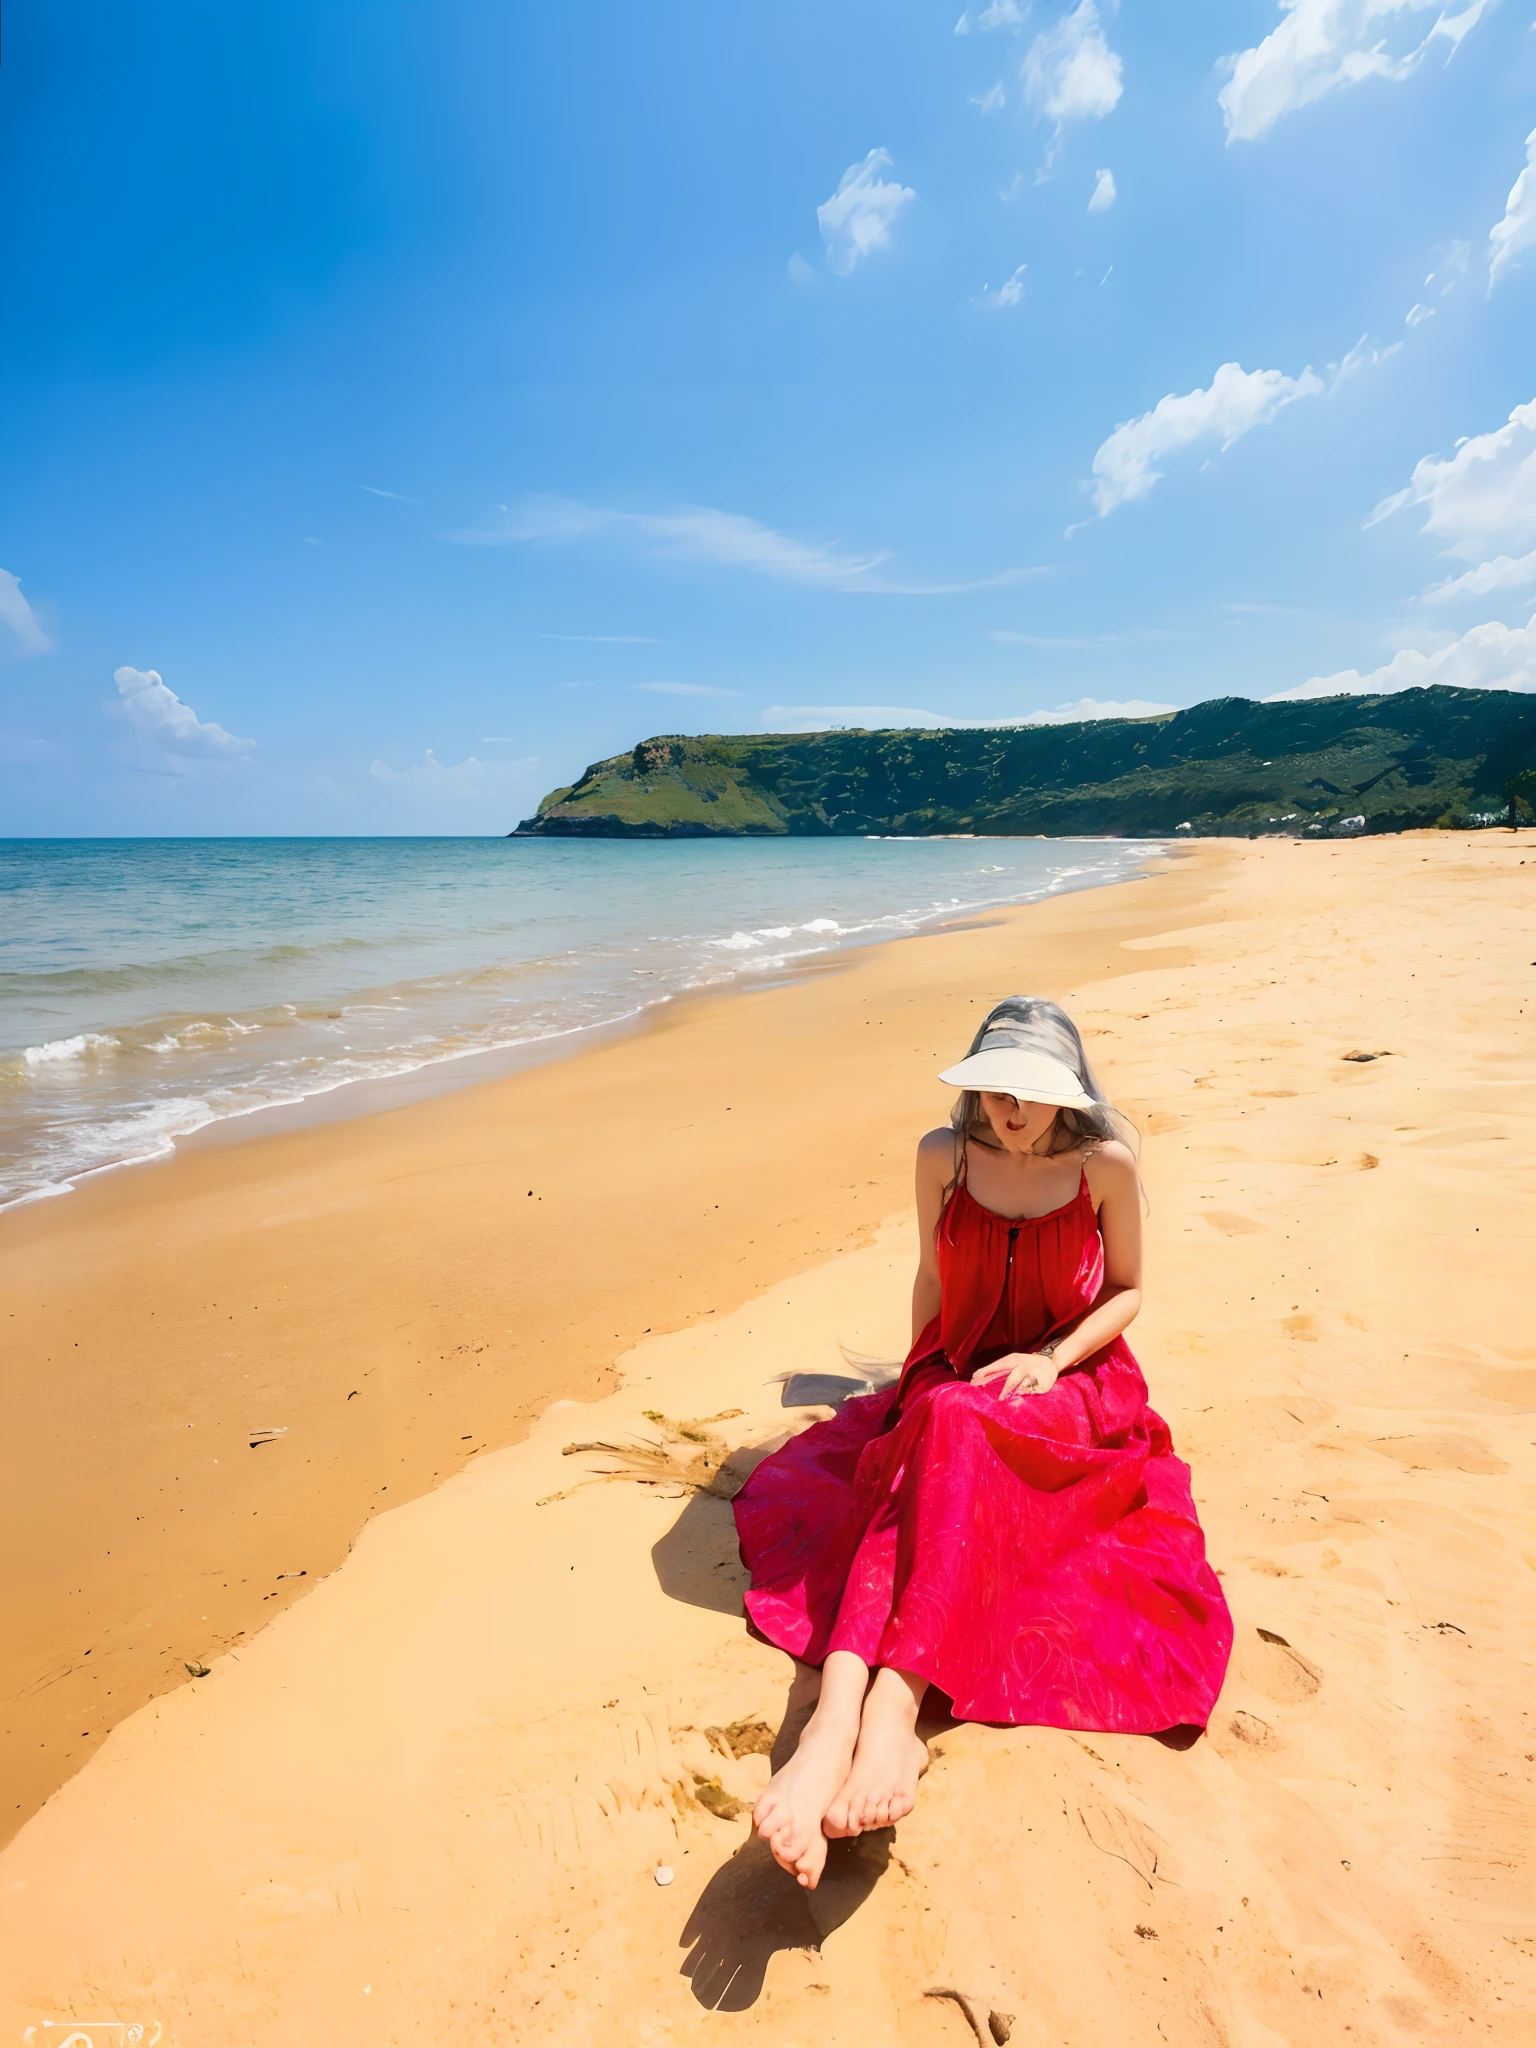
1037, 1559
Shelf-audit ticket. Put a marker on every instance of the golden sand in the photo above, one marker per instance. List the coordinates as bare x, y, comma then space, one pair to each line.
427, 1802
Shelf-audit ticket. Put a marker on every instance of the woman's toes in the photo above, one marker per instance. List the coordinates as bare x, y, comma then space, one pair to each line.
790, 1813
786, 1850
809, 1866
777, 1830
837, 1822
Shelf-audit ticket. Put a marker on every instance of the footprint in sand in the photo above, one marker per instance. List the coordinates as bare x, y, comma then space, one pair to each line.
1439, 1454
1231, 1225
1268, 1663
1250, 1729
1513, 1386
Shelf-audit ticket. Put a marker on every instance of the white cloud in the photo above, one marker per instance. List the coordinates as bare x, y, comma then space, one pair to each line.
1516, 232
1365, 355
996, 14
1104, 194
161, 716
1237, 400
399, 496
1417, 315
1484, 495
686, 690
1454, 28
1489, 657
800, 272
1457, 257
469, 777
20, 617
991, 101
1070, 73
692, 532
1096, 707
1008, 293
832, 717
702, 533
861, 213
1321, 45
1504, 572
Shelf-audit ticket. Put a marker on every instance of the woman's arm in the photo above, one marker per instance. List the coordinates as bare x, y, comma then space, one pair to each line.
1115, 1187
935, 1170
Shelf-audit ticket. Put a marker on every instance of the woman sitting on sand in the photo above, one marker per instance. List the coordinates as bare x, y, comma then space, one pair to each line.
1008, 1522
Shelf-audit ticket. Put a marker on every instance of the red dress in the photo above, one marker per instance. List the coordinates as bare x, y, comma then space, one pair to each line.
1038, 1559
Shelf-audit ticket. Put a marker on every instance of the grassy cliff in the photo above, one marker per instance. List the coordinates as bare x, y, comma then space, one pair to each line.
1421, 757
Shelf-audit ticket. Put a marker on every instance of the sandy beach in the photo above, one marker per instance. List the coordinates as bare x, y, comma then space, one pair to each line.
460, 1705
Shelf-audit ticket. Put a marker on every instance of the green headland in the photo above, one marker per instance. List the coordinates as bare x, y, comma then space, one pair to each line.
1232, 766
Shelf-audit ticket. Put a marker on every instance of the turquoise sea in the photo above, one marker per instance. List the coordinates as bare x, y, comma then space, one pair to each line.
149, 988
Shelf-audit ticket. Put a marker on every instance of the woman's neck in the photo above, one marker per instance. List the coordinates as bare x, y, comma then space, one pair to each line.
1037, 1155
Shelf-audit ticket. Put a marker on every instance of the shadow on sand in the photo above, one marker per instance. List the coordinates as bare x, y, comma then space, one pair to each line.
750, 1910
697, 1561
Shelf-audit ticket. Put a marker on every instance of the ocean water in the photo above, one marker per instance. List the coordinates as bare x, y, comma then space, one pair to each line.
151, 987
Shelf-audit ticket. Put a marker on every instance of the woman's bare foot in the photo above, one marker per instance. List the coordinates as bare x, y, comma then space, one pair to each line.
881, 1788
789, 1814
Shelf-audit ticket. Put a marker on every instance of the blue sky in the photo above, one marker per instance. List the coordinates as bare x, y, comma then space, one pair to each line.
408, 403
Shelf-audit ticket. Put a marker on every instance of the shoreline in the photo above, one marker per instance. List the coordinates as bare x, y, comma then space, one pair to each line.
292, 1281
444, 1072
427, 1804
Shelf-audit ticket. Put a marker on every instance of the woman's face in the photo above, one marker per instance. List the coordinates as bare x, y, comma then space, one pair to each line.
1017, 1126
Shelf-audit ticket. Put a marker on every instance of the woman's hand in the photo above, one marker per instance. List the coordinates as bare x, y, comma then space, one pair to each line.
1021, 1372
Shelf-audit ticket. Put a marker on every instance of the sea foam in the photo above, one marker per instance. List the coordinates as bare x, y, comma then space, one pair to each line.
74, 1048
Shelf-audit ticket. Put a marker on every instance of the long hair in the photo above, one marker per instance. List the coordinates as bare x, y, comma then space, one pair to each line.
1035, 1024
